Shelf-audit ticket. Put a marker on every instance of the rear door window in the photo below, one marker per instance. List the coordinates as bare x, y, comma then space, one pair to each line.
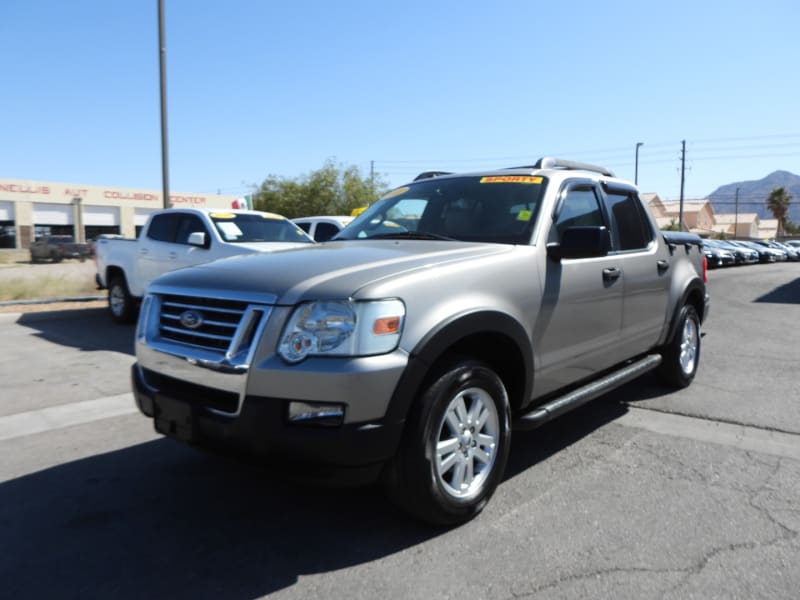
163, 227
631, 225
325, 231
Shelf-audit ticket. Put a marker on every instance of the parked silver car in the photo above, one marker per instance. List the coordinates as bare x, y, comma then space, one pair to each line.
454, 306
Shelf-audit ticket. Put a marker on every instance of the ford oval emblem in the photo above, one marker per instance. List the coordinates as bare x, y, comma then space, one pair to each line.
191, 319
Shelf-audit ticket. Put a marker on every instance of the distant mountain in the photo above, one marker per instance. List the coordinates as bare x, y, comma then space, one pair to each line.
753, 195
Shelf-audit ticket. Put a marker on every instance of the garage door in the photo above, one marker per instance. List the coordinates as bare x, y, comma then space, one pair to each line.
140, 217
52, 214
6, 211
101, 215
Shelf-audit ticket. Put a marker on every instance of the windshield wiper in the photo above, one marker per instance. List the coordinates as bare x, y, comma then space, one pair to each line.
411, 235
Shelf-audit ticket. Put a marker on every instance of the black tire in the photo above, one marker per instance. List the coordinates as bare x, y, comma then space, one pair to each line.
681, 355
453, 484
121, 304
55, 256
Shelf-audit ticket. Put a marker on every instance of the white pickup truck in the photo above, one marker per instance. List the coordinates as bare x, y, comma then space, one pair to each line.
175, 238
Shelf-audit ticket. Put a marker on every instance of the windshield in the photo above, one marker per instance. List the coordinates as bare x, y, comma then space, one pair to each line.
500, 209
257, 227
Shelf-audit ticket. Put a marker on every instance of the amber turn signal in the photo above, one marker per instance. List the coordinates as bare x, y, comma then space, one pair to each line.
386, 325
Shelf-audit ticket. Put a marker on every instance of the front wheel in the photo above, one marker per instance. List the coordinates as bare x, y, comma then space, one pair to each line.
121, 304
455, 447
681, 354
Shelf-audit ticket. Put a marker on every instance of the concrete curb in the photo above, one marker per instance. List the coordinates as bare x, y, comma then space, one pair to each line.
51, 300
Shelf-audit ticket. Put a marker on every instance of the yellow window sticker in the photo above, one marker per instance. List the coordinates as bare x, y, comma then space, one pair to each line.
223, 215
270, 216
393, 193
511, 179
524, 215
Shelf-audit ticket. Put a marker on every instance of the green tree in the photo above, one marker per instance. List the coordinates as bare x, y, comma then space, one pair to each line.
778, 203
330, 190
673, 226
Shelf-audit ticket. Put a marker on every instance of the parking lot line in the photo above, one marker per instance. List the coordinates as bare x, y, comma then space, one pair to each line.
65, 415
755, 439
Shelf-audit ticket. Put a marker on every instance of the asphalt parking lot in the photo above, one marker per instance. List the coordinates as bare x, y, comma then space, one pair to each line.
645, 493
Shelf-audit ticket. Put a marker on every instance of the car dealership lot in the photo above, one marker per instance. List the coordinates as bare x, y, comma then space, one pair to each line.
644, 493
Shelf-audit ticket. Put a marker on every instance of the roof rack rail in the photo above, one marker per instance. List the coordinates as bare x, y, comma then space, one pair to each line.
548, 162
429, 174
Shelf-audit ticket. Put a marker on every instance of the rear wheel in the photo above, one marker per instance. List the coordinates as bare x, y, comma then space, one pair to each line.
121, 304
455, 447
682, 354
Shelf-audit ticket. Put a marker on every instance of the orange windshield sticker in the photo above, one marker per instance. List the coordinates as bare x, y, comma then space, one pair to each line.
511, 179
220, 215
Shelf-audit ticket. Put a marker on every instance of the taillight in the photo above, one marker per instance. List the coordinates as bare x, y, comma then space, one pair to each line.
705, 270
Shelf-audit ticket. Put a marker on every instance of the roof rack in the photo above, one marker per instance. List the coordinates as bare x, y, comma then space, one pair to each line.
548, 162
429, 174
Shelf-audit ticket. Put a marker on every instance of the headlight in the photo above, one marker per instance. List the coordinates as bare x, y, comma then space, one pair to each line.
342, 328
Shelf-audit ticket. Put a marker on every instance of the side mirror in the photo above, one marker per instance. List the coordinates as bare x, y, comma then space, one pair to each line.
198, 238
581, 242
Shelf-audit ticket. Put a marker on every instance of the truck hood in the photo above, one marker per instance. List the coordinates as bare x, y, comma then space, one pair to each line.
269, 246
332, 270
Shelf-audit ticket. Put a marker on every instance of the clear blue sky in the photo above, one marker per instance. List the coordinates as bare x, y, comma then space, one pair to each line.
266, 87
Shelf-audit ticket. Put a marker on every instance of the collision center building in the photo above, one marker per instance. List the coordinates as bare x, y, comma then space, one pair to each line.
31, 209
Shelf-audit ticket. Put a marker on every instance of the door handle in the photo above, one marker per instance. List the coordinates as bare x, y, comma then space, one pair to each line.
611, 274
173, 255
663, 265
143, 251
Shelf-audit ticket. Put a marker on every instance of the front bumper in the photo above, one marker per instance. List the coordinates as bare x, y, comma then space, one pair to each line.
261, 428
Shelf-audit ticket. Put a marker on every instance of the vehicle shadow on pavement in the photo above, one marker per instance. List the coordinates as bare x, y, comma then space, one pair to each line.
531, 447
788, 293
85, 329
166, 520
163, 520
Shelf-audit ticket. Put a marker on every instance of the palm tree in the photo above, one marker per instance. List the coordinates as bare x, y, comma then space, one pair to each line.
778, 204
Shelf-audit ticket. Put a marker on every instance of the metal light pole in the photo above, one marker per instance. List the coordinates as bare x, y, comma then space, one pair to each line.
636, 172
683, 177
162, 52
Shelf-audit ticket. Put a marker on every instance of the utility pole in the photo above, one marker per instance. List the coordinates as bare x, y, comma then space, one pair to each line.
736, 216
77, 217
636, 172
371, 179
683, 171
162, 53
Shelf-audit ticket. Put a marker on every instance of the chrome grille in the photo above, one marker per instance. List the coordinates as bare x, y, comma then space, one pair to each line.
222, 326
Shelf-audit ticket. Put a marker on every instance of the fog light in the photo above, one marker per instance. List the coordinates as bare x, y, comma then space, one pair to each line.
316, 413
